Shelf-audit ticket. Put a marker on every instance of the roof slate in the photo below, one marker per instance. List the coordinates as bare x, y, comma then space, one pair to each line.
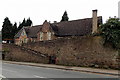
75, 27
18, 34
65, 28
32, 31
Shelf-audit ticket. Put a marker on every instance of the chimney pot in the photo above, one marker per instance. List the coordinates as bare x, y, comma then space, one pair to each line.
55, 21
45, 20
95, 10
115, 17
110, 17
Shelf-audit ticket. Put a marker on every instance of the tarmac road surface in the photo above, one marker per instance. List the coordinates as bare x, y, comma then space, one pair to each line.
25, 71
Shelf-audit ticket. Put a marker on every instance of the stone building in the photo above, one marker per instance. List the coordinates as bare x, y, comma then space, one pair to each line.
27, 34
50, 31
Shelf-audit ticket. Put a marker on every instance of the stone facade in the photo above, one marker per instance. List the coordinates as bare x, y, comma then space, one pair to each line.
46, 32
18, 53
79, 51
42, 36
51, 31
22, 38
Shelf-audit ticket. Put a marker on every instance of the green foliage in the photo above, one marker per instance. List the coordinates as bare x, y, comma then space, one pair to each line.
25, 23
9, 30
6, 29
110, 31
14, 29
28, 22
21, 24
65, 17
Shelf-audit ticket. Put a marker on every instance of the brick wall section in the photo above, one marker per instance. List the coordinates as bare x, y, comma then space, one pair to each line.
17, 53
78, 51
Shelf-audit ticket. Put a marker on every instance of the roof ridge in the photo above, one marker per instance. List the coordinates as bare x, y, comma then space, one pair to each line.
37, 25
75, 20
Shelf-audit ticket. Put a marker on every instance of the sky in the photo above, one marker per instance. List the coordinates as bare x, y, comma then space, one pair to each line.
52, 10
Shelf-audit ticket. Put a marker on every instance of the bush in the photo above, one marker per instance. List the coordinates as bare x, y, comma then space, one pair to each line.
110, 31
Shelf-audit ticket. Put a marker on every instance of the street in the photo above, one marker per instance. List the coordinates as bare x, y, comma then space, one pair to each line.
23, 71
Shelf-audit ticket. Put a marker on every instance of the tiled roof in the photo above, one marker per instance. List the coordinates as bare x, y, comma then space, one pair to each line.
75, 27
32, 31
18, 34
65, 28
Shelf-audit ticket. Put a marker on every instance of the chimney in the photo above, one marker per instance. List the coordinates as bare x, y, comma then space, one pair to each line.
94, 22
55, 21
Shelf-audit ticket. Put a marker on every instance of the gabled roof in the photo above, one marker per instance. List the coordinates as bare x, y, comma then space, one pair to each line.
46, 27
19, 33
30, 31
65, 28
75, 27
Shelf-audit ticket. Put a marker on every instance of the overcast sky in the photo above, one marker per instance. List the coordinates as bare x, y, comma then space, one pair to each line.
52, 10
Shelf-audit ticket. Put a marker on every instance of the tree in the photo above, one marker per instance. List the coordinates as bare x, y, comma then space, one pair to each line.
22, 24
6, 29
9, 30
28, 22
14, 29
25, 23
110, 31
65, 17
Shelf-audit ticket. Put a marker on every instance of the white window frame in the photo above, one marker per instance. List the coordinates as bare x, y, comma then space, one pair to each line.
41, 36
49, 35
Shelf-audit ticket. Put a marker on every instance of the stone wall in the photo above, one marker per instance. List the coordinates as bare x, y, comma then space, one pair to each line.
18, 53
73, 51
78, 51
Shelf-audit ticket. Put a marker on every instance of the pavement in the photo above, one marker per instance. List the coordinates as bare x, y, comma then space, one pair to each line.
81, 69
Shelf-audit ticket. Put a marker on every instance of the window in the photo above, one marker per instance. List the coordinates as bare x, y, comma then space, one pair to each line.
24, 40
41, 36
49, 35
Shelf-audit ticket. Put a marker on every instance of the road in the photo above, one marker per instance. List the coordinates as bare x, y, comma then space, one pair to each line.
24, 71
